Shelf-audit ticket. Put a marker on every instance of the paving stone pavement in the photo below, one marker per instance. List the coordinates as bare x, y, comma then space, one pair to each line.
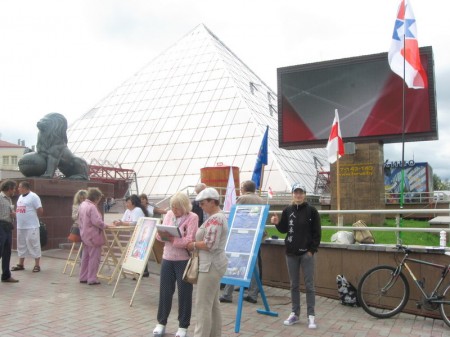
50, 303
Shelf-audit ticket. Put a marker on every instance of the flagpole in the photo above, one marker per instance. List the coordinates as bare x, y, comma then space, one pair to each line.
402, 182
262, 178
338, 190
402, 179
338, 183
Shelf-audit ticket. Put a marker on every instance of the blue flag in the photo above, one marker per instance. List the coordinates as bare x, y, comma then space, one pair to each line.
260, 161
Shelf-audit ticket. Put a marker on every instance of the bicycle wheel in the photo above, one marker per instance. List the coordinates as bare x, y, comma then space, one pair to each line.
381, 294
444, 308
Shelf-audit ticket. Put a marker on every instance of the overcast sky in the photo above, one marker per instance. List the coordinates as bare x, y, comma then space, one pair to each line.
65, 56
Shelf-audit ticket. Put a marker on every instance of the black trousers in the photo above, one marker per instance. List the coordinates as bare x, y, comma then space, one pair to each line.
171, 275
5, 251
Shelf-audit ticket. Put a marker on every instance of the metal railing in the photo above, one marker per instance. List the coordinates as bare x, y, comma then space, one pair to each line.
397, 212
285, 198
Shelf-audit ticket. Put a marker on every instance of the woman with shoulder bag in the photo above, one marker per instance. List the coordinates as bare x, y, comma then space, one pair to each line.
210, 242
78, 198
174, 261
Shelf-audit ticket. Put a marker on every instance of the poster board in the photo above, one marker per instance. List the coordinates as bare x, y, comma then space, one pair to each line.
246, 225
140, 245
138, 251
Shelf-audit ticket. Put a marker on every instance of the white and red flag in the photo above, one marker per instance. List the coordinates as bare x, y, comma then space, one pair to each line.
270, 193
230, 196
404, 57
335, 146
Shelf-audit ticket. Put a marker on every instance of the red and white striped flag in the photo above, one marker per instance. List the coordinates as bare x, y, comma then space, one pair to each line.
335, 146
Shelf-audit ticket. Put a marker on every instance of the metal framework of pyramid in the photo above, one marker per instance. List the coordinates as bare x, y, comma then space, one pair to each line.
195, 105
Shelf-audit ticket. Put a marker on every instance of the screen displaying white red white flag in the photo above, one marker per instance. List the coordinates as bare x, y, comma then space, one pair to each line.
230, 196
335, 144
404, 56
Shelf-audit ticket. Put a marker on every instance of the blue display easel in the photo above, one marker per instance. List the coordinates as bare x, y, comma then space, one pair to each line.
246, 225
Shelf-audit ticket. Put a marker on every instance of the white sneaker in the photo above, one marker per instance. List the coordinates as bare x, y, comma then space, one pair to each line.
181, 332
159, 330
292, 319
311, 323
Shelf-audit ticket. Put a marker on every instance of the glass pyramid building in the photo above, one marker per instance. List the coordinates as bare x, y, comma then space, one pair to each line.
196, 105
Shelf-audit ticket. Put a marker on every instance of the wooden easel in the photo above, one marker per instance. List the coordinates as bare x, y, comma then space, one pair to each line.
113, 251
71, 261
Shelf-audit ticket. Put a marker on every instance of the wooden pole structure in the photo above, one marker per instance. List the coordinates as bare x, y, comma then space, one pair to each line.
262, 178
338, 191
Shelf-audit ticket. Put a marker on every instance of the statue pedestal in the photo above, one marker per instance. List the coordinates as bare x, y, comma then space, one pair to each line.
57, 199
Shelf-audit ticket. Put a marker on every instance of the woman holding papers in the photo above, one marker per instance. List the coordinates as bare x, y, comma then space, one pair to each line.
210, 240
174, 261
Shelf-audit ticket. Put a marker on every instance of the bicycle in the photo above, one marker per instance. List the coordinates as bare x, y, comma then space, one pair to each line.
383, 291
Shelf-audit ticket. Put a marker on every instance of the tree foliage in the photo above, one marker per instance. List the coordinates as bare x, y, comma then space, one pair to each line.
439, 184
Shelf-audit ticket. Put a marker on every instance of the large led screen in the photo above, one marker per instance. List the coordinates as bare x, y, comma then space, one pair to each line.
368, 96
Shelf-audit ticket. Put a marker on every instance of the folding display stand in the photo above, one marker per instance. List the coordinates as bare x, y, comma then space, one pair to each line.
245, 231
135, 258
76, 249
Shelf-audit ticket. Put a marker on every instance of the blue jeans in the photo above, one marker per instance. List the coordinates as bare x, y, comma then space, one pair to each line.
306, 263
5, 251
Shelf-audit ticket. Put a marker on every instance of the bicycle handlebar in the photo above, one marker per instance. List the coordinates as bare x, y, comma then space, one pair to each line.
404, 249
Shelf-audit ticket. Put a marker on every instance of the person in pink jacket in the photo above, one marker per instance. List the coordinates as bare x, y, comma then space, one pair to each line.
91, 231
174, 261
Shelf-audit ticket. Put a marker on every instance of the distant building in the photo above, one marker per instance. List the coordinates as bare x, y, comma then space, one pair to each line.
441, 195
10, 155
196, 105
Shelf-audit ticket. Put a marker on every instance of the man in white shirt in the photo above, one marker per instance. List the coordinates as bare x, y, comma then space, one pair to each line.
28, 210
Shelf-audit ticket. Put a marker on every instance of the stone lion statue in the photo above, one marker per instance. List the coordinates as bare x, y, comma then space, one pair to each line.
52, 145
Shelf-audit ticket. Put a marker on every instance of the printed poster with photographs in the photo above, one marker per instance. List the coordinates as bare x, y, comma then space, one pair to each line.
245, 231
140, 245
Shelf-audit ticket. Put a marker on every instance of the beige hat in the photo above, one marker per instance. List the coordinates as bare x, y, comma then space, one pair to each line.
208, 193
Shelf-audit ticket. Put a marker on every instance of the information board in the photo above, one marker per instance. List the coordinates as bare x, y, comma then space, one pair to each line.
246, 225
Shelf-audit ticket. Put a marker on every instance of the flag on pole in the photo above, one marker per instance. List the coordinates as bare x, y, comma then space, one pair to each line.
404, 56
260, 161
270, 193
335, 144
230, 196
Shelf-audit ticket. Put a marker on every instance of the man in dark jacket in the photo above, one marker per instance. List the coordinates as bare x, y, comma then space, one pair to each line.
301, 222
196, 206
7, 215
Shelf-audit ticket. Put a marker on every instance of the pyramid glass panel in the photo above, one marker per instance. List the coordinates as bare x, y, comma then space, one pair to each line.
194, 106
